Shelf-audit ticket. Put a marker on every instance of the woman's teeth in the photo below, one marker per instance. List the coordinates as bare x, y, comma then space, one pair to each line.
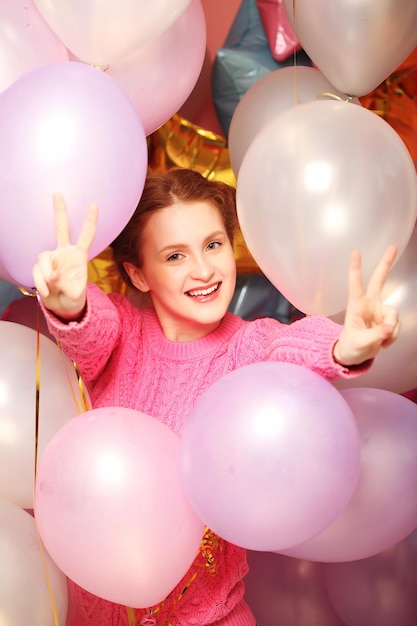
203, 292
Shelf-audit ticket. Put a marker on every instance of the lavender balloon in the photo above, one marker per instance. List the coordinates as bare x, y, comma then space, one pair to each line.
269, 455
383, 509
65, 127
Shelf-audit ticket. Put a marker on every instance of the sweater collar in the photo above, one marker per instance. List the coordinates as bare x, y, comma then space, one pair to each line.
186, 350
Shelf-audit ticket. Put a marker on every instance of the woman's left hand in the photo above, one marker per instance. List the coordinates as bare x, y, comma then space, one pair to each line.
369, 323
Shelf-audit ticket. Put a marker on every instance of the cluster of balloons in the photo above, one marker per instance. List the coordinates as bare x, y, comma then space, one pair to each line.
319, 175
84, 84
289, 463
316, 175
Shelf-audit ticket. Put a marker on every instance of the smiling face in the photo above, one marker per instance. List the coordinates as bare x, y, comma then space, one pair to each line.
188, 267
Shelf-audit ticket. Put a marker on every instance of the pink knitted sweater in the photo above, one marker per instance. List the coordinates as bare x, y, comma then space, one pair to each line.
125, 360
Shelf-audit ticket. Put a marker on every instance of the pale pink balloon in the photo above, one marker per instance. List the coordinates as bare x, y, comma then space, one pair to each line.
25, 572
379, 591
383, 508
69, 128
317, 181
111, 508
270, 95
355, 44
277, 453
26, 41
60, 399
288, 592
103, 31
395, 369
160, 75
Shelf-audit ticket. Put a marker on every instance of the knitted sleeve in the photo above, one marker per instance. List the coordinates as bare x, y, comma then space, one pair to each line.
308, 342
91, 341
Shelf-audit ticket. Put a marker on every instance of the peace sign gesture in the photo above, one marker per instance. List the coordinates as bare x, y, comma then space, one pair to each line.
60, 276
369, 323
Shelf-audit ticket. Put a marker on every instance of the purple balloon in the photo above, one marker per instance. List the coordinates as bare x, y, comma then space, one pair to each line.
378, 591
65, 127
383, 509
269, 455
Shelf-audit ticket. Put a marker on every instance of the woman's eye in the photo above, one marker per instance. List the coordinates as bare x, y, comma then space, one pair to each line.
174, 257
213, 245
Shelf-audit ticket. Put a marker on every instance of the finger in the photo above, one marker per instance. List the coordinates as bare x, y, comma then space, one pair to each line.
48, 267
355, 285
379, 276
39, 282
390, 315
62, 229
393, 336
88, 230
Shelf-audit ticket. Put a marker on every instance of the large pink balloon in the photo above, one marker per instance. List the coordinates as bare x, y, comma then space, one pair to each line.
317, 181
161, 74
103, 31
25, 572
355, 44
65, 127
383, 509
26, 41
272, 94
395, 369
111, 508
270, 454
282, 591
60, 399
379, 591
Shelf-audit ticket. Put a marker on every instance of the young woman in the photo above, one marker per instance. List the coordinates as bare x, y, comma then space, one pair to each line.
177, 248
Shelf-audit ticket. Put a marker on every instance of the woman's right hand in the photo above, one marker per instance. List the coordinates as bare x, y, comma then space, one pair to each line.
60, 276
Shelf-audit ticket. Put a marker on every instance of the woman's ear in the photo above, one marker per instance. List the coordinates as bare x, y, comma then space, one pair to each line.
136, 276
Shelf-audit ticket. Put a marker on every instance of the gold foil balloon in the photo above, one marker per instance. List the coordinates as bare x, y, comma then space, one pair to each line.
180, 143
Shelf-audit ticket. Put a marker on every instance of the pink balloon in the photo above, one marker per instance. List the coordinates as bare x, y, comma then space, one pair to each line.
26, 41
379, 591
111, 508
277, 452
25, 571
270, 95
396, 369
355, 44
105, 32
317, 181
65, 127
383, 508
160, 75
287, 592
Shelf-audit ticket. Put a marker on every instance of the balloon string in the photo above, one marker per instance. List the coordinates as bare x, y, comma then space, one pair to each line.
84, 406
329, 94
295, 58
37, 405
209, 544
131, 617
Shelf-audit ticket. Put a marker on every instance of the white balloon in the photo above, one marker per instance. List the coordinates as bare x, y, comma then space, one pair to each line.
104, 31
355, 43
60, 399
25, 570
319, 180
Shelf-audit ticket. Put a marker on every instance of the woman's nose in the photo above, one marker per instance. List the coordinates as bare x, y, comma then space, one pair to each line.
202, 268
